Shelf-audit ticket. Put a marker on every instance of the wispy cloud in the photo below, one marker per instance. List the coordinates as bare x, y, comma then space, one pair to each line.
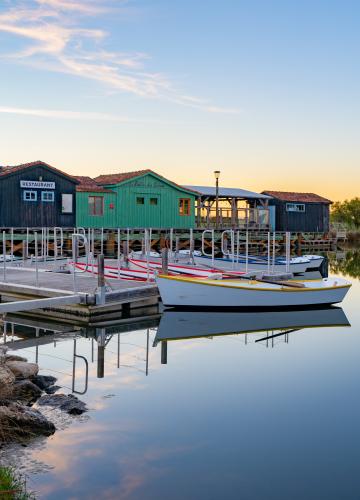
71, 115
53, 113
56, 40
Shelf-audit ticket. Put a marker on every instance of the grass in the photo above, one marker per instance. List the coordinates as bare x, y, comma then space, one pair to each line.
13, 485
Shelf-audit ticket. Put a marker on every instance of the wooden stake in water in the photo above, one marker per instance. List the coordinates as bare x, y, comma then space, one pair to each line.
273, 251
287, 244
269, 252
12, 244
36, 260
4, 255
118, 251
246, 251
165, 261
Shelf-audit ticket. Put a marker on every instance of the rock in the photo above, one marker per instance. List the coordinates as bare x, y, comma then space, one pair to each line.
6, 376
26, 391
44, 381
23, 370
14, 357
19, 422
3, 351
52, 389
68, 403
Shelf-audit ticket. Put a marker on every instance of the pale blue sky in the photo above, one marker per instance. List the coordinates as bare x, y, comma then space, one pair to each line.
265, 91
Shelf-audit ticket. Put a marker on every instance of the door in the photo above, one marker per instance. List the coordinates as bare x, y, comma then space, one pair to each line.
147, 211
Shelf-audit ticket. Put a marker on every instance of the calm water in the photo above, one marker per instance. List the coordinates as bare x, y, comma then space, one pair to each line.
226, 417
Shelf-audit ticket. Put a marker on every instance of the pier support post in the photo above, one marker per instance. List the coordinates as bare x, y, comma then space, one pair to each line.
165, 261
101, 279
164, 352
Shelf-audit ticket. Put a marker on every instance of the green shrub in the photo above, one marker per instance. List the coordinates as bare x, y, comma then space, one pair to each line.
13, 485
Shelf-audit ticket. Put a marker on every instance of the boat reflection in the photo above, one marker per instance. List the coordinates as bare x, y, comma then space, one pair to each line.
84, 353
180, 325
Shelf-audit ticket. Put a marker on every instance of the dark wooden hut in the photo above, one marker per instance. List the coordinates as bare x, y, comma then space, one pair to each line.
300, 212
36, 195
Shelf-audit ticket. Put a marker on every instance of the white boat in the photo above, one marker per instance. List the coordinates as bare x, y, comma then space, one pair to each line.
315, 261
111, 272
178, 325
192, 292
298, 265
195, 271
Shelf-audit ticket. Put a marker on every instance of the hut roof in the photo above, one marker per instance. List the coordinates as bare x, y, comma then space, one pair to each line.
87, 184
224, 192
297, 197
12, 169
110, 179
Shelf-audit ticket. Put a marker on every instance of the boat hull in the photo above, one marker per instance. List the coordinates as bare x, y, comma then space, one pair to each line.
182, 292
253, 265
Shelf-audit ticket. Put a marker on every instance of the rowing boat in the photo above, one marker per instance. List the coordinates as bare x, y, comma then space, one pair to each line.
297, 265
192, 292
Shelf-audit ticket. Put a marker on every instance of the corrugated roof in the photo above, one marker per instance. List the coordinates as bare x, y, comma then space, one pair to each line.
87, 184
228, 192
297, 197
8, 169
109, 179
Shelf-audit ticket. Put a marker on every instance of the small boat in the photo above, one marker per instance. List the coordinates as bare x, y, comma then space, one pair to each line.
195, 271
179, 325
192, 292
111, 272
297, 265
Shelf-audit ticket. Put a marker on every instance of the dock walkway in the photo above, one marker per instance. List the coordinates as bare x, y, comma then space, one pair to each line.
21, 284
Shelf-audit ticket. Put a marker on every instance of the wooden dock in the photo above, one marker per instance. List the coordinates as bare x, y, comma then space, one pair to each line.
56, 295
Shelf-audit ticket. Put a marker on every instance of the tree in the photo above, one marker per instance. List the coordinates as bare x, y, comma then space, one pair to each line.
347, 212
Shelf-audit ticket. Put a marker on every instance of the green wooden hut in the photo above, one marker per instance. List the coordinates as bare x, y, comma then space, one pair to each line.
140, 199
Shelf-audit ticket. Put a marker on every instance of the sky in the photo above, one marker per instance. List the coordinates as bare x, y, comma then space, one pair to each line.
266, 91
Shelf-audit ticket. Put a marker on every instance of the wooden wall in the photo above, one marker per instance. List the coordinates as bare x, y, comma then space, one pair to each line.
15, 212
314, 219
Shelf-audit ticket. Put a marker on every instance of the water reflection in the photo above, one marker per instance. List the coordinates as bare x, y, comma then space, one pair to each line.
346, 263
172, 325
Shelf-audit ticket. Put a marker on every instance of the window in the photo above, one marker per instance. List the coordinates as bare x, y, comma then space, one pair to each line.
30, 196
140, 200
96, 205
184, 206
47, 196
153, 201
67, 203
295, 207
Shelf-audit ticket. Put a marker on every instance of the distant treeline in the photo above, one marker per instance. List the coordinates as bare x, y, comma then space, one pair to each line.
347, 212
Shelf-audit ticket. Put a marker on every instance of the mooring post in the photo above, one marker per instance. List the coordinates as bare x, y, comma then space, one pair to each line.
164, 352
101, 278
36, 260
165, 261
4, 255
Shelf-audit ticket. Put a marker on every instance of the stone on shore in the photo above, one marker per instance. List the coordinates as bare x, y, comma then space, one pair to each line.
68, 403
6, 376
14, 357
22, 369
21, 422
44, 382
26, 392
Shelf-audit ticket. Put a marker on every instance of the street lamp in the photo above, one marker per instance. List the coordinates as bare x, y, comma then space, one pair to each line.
217, 175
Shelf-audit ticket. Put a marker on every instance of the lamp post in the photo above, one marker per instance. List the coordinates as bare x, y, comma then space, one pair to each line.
217, 175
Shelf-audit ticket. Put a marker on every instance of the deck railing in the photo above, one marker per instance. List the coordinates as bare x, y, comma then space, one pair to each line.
242, 218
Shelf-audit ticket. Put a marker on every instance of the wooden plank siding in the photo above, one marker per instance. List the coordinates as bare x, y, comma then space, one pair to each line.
16, 212
314, 219
165, 214
85, 219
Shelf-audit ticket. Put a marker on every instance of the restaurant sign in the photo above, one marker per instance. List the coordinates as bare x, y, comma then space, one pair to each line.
37, 185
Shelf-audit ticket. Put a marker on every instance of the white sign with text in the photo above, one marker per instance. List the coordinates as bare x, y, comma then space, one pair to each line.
37, 184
